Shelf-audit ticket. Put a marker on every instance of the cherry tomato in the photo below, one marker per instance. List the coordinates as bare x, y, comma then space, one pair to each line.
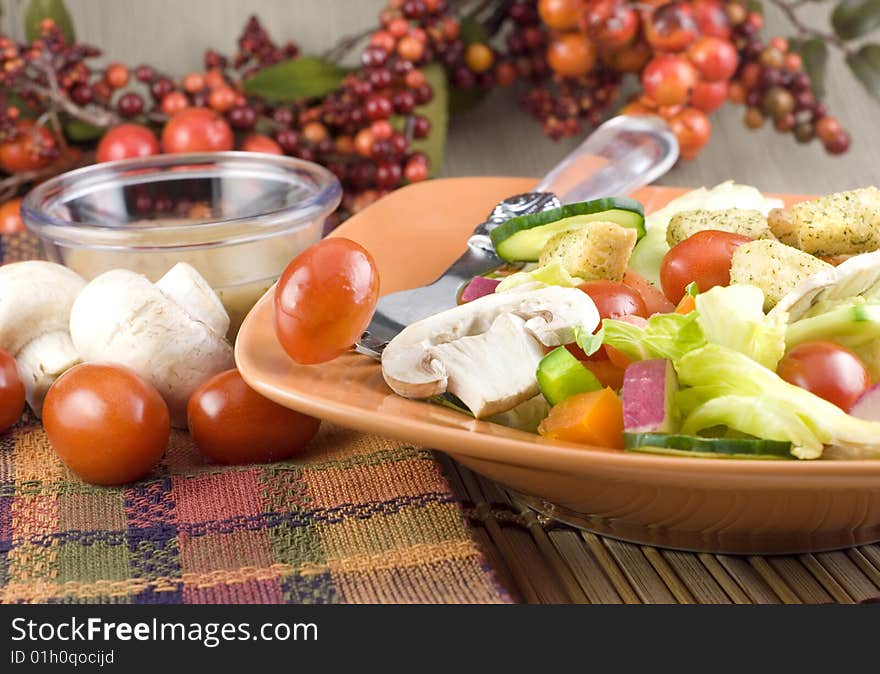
127, 141
197, 130
827, 369
325, 300
11, 391
10, 217
614, 300
703, 258
655, 300
233, 424
107, 424
606, 372
23, 153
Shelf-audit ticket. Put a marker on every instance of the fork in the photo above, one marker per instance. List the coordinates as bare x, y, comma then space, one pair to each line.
636, 150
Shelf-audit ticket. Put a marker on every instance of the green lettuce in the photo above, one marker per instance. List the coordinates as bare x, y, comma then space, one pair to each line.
665, 336
553, 274
730, 389
733, 316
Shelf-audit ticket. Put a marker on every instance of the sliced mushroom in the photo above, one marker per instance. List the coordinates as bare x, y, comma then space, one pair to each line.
35, 302
486, 352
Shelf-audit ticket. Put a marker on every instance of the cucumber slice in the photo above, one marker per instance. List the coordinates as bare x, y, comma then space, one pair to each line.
523, 237
561, 375
689, 445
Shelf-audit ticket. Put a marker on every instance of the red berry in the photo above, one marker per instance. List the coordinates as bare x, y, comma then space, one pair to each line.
116, 75
839, 143
711, 18
378, 107
715, 59
243, 117
416, 170
388, 174
196, 130
174, 103
692, 129
709, 96
130, 104
382, 129
257, 142
611, 23
127, 141
672, 27
421, 126
669, 79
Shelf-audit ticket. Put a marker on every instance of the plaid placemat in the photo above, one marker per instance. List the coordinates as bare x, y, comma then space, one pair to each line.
357, 519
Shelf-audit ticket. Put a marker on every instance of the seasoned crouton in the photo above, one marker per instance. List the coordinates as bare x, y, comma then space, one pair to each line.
841, 223
599, 250
774, 267
780, 223
749, 223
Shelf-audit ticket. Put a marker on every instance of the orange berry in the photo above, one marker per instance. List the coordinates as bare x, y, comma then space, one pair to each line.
214, 79
222, 98
560, 14
479, 57
10, 217
779, 43
414, 79
174, 102
398, 27
736, 92
194, 82
571, 55
257, 142
314, 132
410, 48
793, 62
363, 142
344, 145
116, 75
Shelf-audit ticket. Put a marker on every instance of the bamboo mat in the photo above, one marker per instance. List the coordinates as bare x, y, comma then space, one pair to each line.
542, 561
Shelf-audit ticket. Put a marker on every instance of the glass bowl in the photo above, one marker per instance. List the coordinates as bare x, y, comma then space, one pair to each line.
237, 217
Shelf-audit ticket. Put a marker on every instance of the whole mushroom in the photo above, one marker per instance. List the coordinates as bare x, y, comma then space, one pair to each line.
172, 333
35, 302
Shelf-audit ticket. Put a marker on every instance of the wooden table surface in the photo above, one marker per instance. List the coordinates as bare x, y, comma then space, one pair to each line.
497, 138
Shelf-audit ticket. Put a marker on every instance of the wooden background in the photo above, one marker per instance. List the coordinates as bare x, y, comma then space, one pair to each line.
497, 138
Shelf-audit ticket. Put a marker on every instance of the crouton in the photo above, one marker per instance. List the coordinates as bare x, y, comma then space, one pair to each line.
749, 223
774, 267
780, 223
598, 250
838, 224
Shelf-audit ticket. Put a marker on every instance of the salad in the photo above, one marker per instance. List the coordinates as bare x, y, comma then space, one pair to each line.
722, 325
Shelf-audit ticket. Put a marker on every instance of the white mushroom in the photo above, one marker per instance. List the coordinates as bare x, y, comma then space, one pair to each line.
857, 276
35, 302
486, 352
171, 333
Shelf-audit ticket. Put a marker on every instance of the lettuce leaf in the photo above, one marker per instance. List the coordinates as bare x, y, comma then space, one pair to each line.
665, 336
553, 274
731, 389
733, 316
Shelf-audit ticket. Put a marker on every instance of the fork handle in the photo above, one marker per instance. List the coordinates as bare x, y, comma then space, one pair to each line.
621, 155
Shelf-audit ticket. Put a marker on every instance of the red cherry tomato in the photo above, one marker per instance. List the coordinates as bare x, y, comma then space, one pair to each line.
655, 300
233, 424
703, 258
614, 300
197, 130
325, 300
107, 424
11, 391
10, 217
127, 141
827, 369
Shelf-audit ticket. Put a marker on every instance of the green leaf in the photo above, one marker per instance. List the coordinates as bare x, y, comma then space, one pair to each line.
589, 342
81, 132
755, 6
865, 65
472, 30
304, 77
854, 18
815, 57
462, 100
437, 111
37, 10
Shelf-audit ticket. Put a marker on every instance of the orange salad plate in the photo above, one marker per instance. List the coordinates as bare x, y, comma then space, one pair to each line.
716, 505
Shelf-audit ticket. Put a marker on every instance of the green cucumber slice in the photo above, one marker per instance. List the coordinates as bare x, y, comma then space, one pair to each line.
561, 375
522, 238
689, 445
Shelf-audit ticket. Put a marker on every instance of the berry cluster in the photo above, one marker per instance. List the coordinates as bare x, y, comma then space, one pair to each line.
370, 126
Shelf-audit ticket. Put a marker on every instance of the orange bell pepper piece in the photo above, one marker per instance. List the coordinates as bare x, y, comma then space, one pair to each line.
594, 418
